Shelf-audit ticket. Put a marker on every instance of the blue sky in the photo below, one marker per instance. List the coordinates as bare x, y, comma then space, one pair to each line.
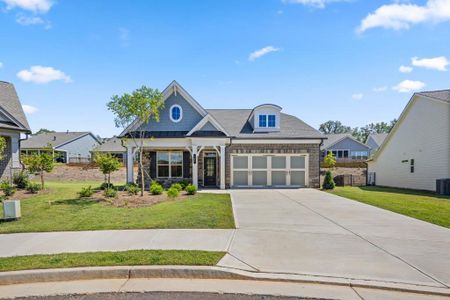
318, 59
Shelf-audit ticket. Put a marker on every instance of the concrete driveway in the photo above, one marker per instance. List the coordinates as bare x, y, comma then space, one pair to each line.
311, 232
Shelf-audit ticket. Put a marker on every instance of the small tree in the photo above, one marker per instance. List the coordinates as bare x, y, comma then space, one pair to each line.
328, 182
330, 160
144, 105
2, 147
39, 163
107, 164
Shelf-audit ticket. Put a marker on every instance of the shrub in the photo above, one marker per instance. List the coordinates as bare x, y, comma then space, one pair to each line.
173, 192
110, 193
33, 187
328, 182
191, 189
86, 192
21, 179
106, 185
7, 188
132, 189
177, 186
156, 188
184, 184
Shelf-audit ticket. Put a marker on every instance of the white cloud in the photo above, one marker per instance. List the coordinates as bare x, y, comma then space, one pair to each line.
36, 6
314, 3
40, 74
403, 15
436, 63
405, 69
1, 65
28, 109
261, 52
357, 96
407, 86
380, 89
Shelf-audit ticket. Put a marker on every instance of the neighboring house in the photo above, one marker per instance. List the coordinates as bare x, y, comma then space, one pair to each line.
344, 147
67, 147
12, 123
114, 147
374, 141
259, 147
417, 150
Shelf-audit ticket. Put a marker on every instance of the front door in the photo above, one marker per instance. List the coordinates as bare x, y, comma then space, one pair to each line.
210, 171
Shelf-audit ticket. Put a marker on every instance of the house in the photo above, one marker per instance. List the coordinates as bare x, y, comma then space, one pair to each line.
259, 147
112, 146
417, 150
374, 141
12, 123
345, 147
67, 147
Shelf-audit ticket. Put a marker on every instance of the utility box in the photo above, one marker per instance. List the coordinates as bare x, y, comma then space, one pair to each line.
443, 186
11, 209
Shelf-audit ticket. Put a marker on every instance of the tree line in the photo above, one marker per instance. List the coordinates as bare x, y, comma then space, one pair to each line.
359, 133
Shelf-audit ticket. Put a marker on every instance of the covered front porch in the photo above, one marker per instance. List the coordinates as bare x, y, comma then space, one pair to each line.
200, 161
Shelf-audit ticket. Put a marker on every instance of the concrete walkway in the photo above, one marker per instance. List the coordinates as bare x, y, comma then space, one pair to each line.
286, 232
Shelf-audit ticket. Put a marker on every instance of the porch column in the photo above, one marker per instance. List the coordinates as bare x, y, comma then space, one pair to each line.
130, 171
194, 166
222, 167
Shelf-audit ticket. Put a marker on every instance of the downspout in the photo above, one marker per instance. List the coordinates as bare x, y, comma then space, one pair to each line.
320, 145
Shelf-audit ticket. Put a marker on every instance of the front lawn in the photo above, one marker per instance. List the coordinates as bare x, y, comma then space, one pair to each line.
121, 258
424, 206
66, 212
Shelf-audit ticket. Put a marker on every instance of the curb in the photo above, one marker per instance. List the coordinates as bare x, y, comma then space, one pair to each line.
201, 272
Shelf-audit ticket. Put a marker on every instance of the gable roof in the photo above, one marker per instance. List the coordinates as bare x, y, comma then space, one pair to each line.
378, 138
11, 107
333, 139
439, 95
208, 119
113, 144
56, 139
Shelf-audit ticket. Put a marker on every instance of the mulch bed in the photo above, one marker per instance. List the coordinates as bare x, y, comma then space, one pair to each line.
123, 199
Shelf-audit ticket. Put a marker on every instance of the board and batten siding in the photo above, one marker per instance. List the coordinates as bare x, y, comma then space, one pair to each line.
81, 147
372, 144
422, 135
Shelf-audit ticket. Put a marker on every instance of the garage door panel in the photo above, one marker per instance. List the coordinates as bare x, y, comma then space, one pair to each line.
240, 178
298, 178
259, 162
279, 162
259, 178
240, 162
279, 178
297, 162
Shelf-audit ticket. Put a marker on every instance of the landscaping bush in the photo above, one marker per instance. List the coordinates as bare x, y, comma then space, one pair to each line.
7, 188
106, 185
33, 187
191, 189
177, 186
21, 179
86, 192
173, 192
328, 182
156, 188
184, 184
110, 193
132, 189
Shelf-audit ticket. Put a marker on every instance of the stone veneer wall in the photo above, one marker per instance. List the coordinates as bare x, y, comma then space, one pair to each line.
311, 149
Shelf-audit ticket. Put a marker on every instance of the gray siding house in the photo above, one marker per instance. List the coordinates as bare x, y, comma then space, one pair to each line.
255, 147
12, 123
345, 148
67, 147
112, 146
375, 140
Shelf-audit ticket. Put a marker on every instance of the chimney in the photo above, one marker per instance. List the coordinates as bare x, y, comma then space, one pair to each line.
54, 137
67, 132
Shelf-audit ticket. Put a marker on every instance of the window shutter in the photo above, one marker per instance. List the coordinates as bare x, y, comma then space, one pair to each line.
153, 165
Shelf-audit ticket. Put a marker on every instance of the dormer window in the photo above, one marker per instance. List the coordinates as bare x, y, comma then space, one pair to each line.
271, 121
176, 113
262, 121
265, 118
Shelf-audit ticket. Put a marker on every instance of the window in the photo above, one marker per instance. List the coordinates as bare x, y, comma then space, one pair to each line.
340, 153
169, 164
360, 154
176, 113
262, 120
412, 165
271, 120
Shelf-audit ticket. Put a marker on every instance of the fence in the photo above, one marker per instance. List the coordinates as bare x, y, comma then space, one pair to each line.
79, 160
350, 180
371, 178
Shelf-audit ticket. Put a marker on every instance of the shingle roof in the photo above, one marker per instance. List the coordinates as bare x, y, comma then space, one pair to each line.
334, 138
55, 139
9, 102
113, 144
378, 138
441, 95
235, 122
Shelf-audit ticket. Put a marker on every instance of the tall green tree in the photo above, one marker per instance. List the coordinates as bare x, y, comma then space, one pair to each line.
43, 130
334, 127
107, 164
144, 105
39, 163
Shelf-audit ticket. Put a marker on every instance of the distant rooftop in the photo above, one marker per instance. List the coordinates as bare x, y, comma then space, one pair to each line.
55, 139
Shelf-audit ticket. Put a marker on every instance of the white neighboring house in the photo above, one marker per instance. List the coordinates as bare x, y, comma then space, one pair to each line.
417, 150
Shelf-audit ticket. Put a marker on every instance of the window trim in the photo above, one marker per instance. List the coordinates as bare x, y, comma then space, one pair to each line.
169, 164
181, 113
274, 121
336, 156
265, 121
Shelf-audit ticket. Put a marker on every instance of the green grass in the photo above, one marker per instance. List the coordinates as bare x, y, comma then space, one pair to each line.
67, 212
421, 205
123, 258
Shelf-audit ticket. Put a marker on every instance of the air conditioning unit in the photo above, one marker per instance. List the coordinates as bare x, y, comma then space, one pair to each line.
11, 209
443, 186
